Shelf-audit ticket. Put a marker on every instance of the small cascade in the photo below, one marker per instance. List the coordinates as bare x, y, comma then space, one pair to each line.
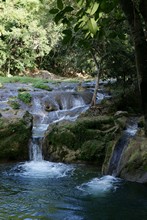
68, 106
35, 149
120, 146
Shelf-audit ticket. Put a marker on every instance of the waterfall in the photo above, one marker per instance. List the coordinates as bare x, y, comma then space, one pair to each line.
122, 143
69, 106
35, 149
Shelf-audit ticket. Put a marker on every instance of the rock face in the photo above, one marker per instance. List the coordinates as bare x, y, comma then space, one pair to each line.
15, 133
133, 163
83, 140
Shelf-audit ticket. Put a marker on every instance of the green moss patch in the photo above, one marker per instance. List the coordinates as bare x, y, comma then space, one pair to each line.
41, 85
89, 136
25, 97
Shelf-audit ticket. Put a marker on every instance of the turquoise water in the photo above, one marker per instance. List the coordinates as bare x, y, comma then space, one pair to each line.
56, 191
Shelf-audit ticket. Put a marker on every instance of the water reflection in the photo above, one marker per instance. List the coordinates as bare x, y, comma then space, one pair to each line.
81, 194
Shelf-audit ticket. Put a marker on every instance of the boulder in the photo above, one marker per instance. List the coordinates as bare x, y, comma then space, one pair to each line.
83, 140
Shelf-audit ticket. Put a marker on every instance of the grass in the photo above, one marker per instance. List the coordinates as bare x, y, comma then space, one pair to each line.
20, 79
26, 79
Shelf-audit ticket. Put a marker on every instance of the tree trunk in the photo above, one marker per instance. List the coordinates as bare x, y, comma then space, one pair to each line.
93, 102
137, 28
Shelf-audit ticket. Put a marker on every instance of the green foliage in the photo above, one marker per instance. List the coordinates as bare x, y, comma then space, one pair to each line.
25, 36
97, 26
25, 97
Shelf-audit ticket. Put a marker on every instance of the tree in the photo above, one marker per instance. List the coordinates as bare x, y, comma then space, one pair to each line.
25, 37
136, 13
93, 17
93, 26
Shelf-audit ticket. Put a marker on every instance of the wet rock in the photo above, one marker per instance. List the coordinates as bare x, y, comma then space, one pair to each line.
133, 163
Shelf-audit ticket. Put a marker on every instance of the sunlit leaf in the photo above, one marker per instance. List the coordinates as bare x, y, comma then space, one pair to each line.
94, 8
92, 25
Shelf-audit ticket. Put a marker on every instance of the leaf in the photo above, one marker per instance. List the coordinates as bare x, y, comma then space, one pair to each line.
67, 32
68, 9
76, 28
60, 4
54, 11
67, 39
92, 25
58, 17
94, 8
68, 36
80, 3
66, 21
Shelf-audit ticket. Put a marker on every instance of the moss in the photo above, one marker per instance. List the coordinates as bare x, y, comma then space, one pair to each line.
89, 136
93, 150
25, 97
14, 138
133, 164
14, 104
23, 90
62, 136
41, 85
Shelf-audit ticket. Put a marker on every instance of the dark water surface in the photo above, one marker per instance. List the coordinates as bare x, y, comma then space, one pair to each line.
56, 191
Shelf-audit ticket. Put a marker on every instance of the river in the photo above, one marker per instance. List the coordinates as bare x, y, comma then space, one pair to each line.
39, 189
56, 191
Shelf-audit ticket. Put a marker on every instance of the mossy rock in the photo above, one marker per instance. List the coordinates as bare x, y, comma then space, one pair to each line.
93, 150
133, 163
14, 137
89, 136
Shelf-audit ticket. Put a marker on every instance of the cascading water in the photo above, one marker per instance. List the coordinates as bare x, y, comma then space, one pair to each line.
37, 166
130, 131
35, 149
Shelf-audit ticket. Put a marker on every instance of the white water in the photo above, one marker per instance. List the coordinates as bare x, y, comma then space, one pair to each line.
132, 129
100, 186
42, 169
